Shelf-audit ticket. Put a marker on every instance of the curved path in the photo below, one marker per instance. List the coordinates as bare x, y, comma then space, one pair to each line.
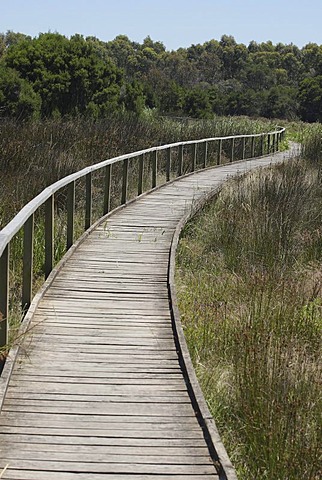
98, 390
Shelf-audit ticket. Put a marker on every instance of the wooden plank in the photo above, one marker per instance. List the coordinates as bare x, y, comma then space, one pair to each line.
103, 467
47, 475
176, 444
89, 430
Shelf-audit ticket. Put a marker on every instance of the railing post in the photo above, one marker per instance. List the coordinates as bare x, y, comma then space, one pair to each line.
88, 206
125, 180
49, 235
243, 147
154, 168
219, 152
253, 147
194, 156
107, 189
268, 143
141, 170
4, 297
168, 167
277, 141
70, 215
262, 144
180, 160
28, 253
205, 155
232, 149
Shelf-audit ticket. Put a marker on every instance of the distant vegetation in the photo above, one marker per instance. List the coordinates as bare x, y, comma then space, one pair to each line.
249, 285
53, 76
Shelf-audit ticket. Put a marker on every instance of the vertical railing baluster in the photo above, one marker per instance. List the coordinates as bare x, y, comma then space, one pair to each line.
232, 150
125, 180
219, 152
154, 168
4, 297
277, 141
268, 144
194, 156
168, 167
262, 144
253, 147
70, 215
243, 147
28, 253
180, 160
88, 206
141, 170
107, 189
205, 155
49, 235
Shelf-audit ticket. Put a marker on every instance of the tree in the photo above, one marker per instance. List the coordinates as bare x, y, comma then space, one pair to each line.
67, 74
196, 103
310, 98
17, 98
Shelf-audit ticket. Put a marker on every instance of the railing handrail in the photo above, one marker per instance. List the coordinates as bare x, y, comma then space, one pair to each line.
10, 230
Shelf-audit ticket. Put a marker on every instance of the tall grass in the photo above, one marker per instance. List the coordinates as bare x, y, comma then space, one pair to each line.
249, 282
35, 154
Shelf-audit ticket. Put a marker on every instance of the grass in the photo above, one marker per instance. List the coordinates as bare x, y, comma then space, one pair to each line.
36, 154
249, 285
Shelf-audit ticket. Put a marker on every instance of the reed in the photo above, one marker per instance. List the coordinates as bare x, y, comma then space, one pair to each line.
249, 284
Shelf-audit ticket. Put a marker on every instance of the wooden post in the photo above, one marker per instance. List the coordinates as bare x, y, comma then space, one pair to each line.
268, 144
49, 235
253, 147
232, 150
205, 155
154, 168
194, 156
262, 144
168, 167
219, 152
125, 180
277, 141
141, 170
4, 297
107, 189
28, 251
180, 160
70, 214
88, 206
243, 147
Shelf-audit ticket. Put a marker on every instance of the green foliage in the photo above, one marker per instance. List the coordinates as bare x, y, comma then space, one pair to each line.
17, 97
88, 76
310, 96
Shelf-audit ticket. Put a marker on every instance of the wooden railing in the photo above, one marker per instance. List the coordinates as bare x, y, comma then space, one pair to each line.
189, 155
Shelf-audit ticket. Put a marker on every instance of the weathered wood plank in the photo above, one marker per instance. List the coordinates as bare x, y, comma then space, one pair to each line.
47, 475
114, 468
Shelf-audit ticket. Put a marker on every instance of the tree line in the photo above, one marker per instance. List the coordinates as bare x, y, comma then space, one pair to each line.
53, 76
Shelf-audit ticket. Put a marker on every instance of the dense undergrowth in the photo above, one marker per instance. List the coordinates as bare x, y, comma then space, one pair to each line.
249, 283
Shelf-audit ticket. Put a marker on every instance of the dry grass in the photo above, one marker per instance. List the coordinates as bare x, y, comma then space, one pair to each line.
252, 312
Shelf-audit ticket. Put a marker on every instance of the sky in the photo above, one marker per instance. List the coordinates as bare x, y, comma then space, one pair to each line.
176, 23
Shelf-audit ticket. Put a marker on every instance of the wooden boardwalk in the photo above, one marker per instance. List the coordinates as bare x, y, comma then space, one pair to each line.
97, 391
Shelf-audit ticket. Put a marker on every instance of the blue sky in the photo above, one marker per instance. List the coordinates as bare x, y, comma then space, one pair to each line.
177, 23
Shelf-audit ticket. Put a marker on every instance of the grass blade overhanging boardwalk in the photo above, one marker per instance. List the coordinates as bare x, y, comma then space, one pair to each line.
99, 390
